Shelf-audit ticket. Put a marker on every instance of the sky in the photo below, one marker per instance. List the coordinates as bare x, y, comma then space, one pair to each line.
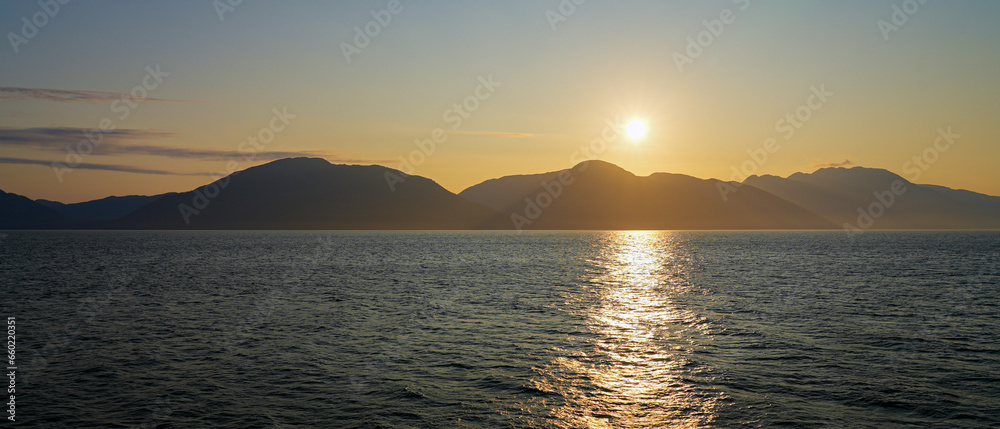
104, 98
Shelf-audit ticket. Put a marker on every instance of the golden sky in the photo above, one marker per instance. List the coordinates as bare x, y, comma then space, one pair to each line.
514, 87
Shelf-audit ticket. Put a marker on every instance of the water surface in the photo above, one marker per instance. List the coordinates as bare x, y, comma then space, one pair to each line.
500, 329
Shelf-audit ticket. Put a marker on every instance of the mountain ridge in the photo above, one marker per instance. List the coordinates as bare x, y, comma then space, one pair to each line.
312, 193
599, 195
862, 197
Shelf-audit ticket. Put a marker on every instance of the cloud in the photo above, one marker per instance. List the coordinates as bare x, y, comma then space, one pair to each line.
117, 142
496, 134
106, 167
140, 170
72, 96
58, 137
845, 163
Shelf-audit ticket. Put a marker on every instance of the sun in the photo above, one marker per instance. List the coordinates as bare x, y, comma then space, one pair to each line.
635, 129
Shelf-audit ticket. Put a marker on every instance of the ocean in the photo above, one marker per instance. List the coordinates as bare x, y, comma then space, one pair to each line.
628, 329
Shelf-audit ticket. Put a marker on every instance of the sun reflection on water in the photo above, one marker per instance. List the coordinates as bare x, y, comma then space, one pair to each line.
633, 370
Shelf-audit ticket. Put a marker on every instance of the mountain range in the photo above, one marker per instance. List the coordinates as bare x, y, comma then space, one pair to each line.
311, 193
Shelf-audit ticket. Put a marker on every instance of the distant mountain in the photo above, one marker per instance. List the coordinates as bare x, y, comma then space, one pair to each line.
874, 198
982, 202
600, 195
500, 194
311, 193
19, 212
110, 208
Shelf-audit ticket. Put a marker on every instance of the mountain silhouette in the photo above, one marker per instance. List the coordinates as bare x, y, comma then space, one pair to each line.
501, 194
104, 209
19, 212
311, 193
875, 198
599, 195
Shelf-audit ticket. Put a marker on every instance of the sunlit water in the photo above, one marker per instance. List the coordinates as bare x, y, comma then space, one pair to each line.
498, 329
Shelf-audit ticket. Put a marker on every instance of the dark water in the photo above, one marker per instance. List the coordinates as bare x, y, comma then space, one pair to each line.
616, 329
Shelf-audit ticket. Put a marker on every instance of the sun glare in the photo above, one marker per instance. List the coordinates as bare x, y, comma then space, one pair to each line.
635, 129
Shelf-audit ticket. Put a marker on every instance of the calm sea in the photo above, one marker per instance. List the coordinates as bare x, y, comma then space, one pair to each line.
501, 329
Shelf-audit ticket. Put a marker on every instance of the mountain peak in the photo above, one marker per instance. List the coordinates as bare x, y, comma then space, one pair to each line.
853, 174
597, 165
299, 162
856, 169
311, 193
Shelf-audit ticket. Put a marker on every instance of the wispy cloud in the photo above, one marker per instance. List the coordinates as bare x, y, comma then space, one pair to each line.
141, 170
59, 137
73, 96
116, 142
845, 163
106, 167
496, 134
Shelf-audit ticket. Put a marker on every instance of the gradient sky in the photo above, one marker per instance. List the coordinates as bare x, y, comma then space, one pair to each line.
559, 87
